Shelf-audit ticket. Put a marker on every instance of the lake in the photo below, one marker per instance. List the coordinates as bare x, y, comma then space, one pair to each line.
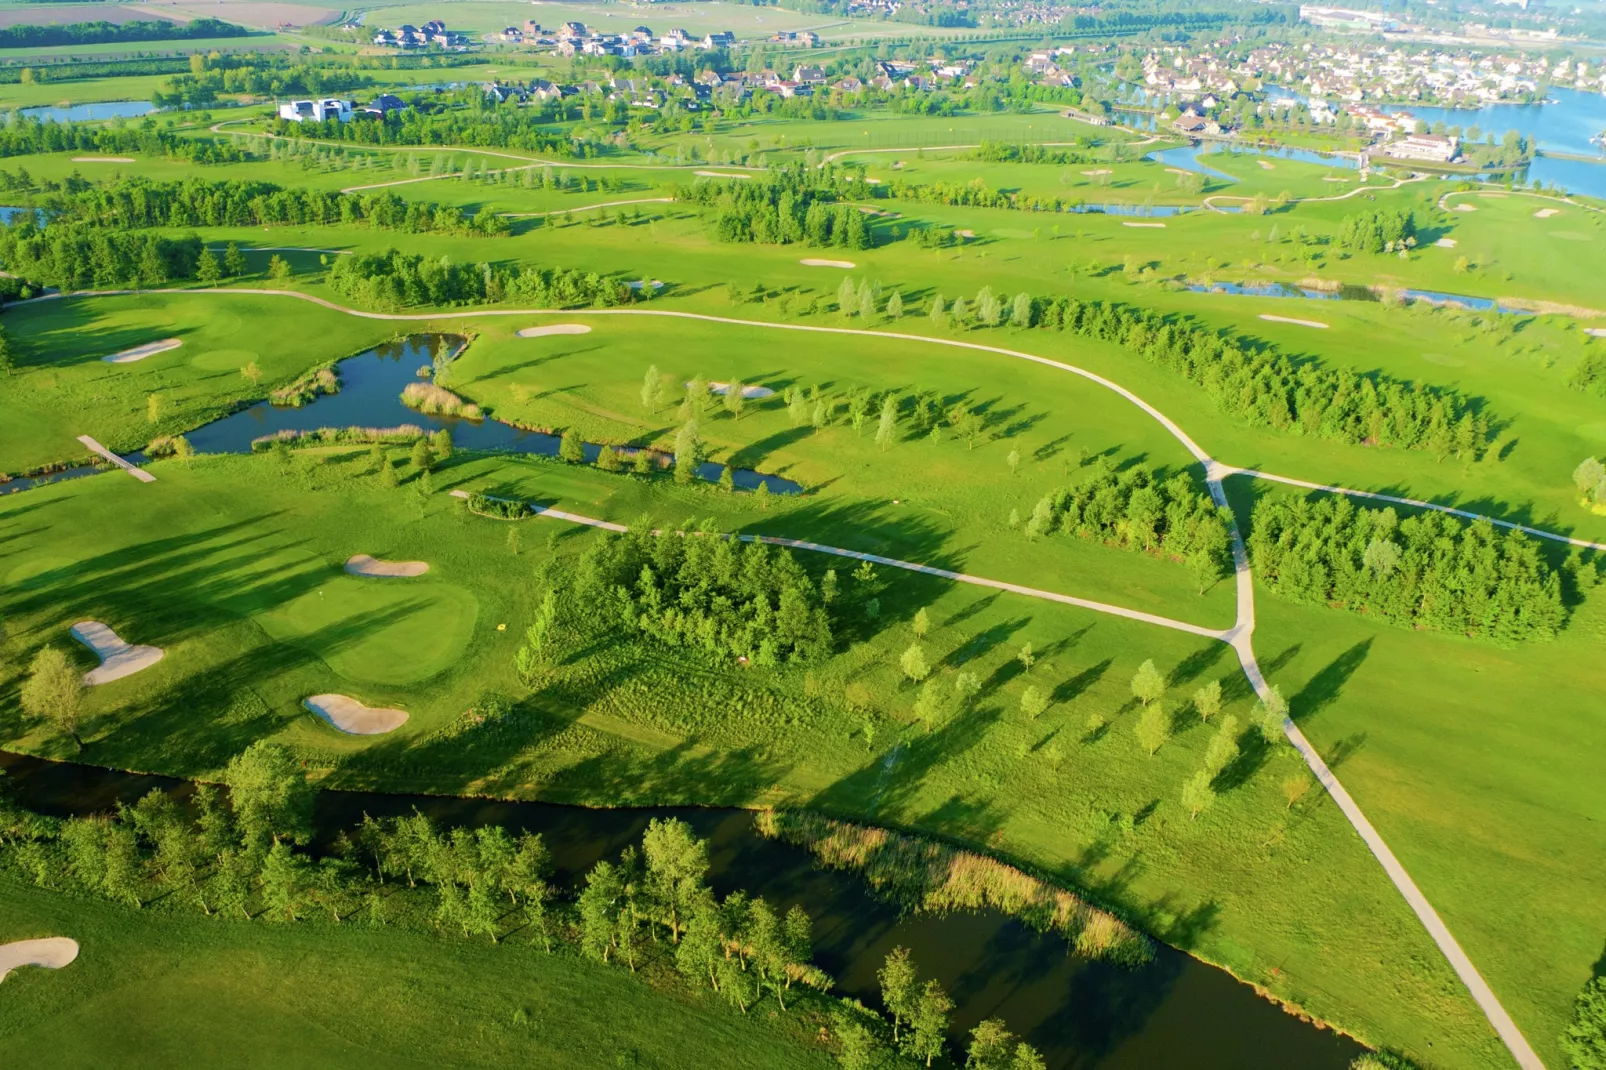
78, 113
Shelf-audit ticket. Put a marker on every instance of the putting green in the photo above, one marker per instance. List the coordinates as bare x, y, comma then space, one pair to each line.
378, 631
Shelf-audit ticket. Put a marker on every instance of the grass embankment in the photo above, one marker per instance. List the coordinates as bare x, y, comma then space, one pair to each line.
154, 989
221, 564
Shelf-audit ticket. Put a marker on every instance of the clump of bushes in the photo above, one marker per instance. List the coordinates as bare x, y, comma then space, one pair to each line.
435, 400
501, 508
335, 436
307, 388
923, 875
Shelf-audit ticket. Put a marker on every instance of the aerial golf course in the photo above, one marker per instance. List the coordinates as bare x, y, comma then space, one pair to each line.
1011, 509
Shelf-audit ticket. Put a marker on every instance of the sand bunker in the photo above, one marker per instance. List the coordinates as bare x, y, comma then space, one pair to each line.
965, 233
1161, 226
1266, 165
1168, 170
1462, 208
102, 159
812, 262
556, 328
350, 716
1269, 318
363, 565
52, 952
129, 356
1445, 243
1546, 213
747, 391
117, 658
1107, 171
1595, 332
722, 174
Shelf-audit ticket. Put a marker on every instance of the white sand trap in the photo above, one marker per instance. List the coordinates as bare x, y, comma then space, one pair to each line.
965, 233
129, 356
1267, 166
747, 391
117, 658
350, 716
1445, 243
1160, 226
1462, 208
812, 262
722, 174
556, 328
1269, 318
1168, 170
52, 952
1107, 171
102, 159
1595, 332
363, 565
1546, 213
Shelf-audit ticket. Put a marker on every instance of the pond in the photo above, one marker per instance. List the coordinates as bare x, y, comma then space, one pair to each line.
1186, 157
78, 113
370, 396
1082, 1014
1354, 293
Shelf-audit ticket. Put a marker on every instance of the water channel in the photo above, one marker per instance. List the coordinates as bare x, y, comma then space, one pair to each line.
1081, 1014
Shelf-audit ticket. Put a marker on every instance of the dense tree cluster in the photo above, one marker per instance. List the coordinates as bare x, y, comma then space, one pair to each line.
192, 202
721, 595
27, 137
75, 258
394, 279
1134, 510
1426, 571
1269, 389
25, 35
792, 204
1383, 230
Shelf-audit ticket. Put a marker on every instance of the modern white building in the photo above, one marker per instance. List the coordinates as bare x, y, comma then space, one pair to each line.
317, 110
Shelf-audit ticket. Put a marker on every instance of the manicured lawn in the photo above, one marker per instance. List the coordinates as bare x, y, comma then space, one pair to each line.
62, 388
150, 989
206, 554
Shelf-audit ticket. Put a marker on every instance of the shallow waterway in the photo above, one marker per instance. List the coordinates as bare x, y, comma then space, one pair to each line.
1081, 1014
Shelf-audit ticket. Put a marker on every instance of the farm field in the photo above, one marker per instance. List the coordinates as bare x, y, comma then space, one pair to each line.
915, 382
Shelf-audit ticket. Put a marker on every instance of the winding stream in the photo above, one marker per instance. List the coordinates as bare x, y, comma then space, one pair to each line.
1081, 1014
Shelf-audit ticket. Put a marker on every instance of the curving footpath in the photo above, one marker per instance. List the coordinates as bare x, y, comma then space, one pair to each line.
1239, 636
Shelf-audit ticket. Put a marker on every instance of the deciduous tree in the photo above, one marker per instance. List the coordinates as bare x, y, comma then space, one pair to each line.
1147, 683
54, 691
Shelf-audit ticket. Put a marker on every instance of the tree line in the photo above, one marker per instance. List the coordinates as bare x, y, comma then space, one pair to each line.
526, 129
28, 137
1255, 382
786, 205
102, 32
1430, 570
139, 202
394, 279
1136, 511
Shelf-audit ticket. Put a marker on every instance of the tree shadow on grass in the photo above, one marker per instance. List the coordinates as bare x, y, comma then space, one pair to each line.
1076, 685
892, 781
1328, 684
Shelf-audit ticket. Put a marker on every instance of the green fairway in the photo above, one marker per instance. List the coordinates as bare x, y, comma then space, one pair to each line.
150, 989
378, 631
63, 388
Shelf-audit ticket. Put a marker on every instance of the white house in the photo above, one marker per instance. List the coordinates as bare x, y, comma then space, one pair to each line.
317, 110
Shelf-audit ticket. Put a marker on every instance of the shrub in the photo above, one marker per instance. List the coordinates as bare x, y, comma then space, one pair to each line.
435, 400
